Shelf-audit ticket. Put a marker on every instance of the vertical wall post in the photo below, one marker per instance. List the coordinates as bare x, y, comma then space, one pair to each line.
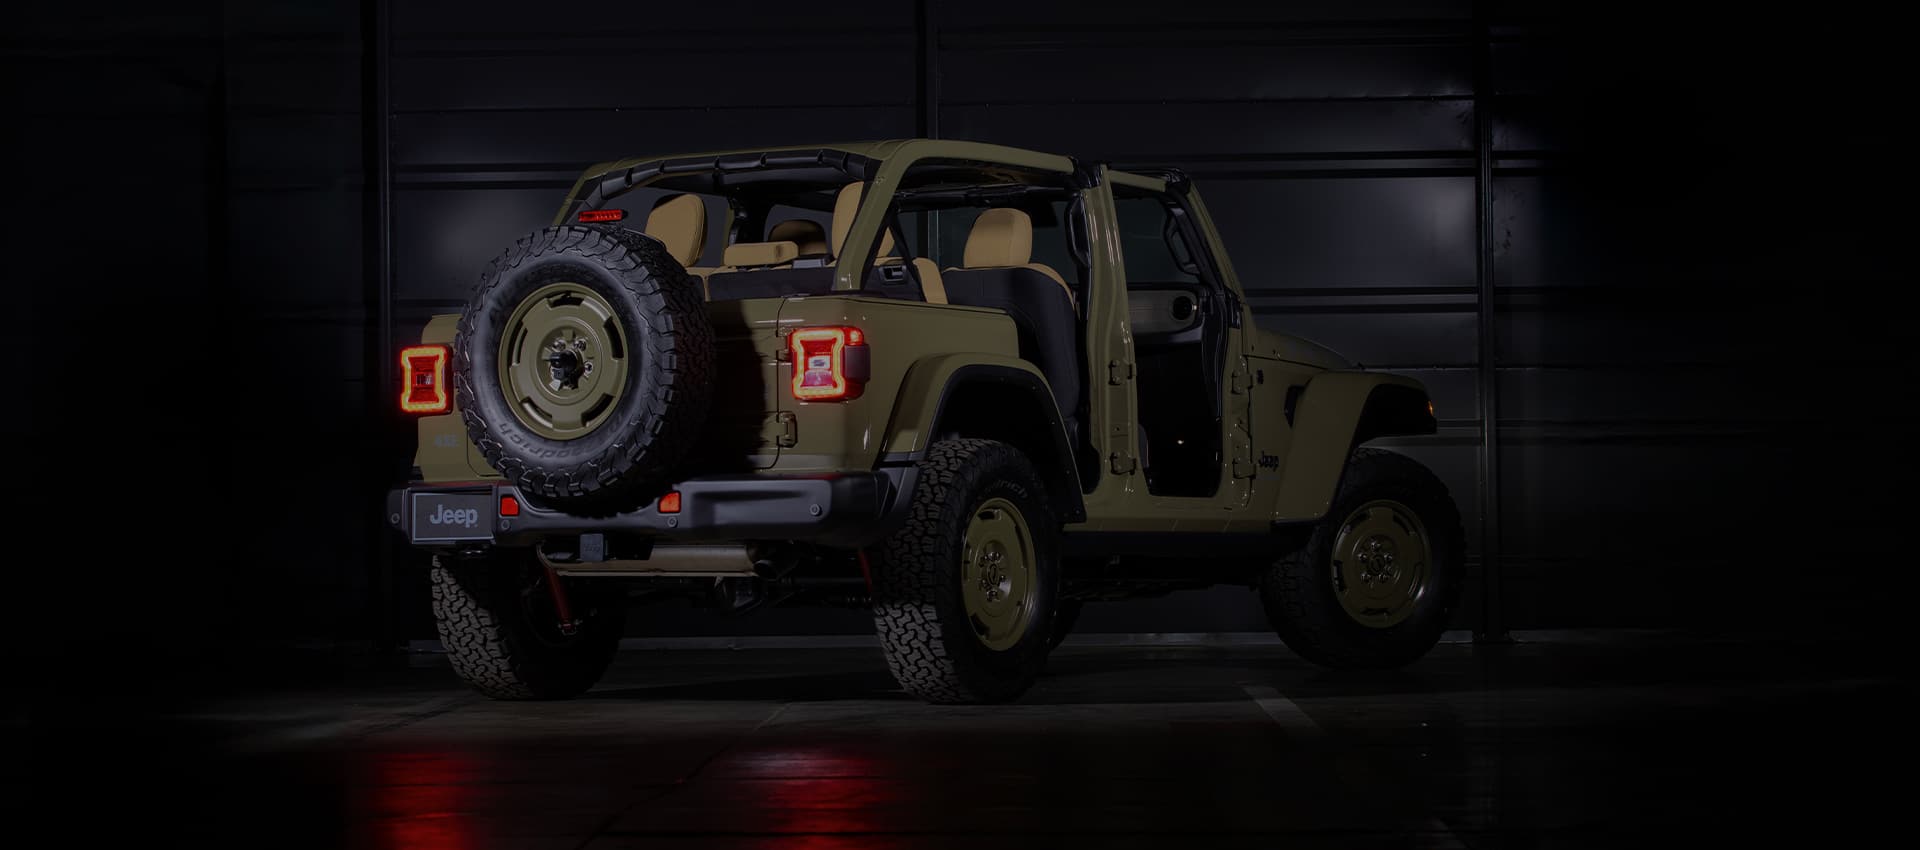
376, 110
1493, 625
927, 125
219, 173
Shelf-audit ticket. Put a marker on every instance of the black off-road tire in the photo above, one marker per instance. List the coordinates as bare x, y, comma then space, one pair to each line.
1299, 590
497, 622
919, 614
656, 421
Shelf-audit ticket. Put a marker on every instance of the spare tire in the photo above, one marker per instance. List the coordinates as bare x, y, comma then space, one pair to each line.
583, 364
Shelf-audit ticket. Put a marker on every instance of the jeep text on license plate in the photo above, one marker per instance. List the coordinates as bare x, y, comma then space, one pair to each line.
441, 517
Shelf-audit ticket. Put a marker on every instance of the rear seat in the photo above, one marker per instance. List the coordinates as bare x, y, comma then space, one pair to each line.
845, 205
779, 268
764, 270
680, 223
744, 256
806, 235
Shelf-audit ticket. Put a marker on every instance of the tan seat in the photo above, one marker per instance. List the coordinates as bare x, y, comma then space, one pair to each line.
999, 272
931, 288
807, 235
756, 255
1002, 238
845, 205
680, 223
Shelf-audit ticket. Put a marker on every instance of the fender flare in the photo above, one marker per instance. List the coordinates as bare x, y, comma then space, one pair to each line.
1343, 409
923, 404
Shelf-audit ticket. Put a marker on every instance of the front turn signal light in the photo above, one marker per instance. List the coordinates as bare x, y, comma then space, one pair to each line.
829, 364
423, 380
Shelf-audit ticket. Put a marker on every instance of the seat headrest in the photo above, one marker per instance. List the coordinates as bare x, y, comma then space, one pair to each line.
932, 289
844, 206
808, 234
1000, 237
680, 223
744, 254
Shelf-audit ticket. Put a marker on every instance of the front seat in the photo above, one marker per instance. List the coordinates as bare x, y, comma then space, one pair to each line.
997, 271
680, 223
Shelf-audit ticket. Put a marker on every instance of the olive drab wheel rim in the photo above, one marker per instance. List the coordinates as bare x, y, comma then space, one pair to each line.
997, 580
564, 361
1382, 563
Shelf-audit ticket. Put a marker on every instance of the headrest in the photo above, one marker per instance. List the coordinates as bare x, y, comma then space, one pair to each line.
932, 289
743, 254
1000, 237
844, 208
680, 223
808, 234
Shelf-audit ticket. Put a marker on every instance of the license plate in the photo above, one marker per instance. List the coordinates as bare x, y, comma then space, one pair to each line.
442, 517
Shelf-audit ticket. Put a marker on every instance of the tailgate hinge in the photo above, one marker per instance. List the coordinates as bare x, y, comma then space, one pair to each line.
789, 429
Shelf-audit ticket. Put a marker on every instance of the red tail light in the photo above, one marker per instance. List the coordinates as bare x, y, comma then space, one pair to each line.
594, 216
423, 380
829, 364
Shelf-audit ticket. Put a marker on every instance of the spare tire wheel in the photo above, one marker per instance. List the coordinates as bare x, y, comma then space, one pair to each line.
583, 364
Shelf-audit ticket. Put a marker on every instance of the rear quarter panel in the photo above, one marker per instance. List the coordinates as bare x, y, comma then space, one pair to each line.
854, 434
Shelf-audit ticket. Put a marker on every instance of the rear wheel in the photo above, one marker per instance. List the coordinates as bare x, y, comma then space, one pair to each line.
964, 592
1378, 579
500, 625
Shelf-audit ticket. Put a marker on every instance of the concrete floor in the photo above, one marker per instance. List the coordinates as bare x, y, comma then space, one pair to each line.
1580, 739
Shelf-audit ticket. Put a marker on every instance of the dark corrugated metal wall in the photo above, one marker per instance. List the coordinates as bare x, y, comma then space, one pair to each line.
1340, 147
1675, 234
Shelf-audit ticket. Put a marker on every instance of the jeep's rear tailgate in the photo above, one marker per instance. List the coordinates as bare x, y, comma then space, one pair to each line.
743, 428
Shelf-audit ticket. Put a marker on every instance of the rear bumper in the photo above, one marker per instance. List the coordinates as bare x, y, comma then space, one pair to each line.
840, 508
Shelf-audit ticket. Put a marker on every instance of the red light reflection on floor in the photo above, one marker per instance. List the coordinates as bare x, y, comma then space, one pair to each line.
418, 801
820, 790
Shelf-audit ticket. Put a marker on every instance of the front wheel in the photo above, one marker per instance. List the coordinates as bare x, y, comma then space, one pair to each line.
964, 592
501, 629
1379, 577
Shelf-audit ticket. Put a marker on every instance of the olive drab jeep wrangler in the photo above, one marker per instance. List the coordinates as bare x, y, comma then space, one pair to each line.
966, 386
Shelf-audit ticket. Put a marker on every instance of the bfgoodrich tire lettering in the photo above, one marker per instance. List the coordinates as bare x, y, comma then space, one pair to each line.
931, 642
1301, 591
663, 392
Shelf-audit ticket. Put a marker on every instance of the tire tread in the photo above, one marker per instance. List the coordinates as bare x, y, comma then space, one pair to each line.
1296, 591
912, 585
